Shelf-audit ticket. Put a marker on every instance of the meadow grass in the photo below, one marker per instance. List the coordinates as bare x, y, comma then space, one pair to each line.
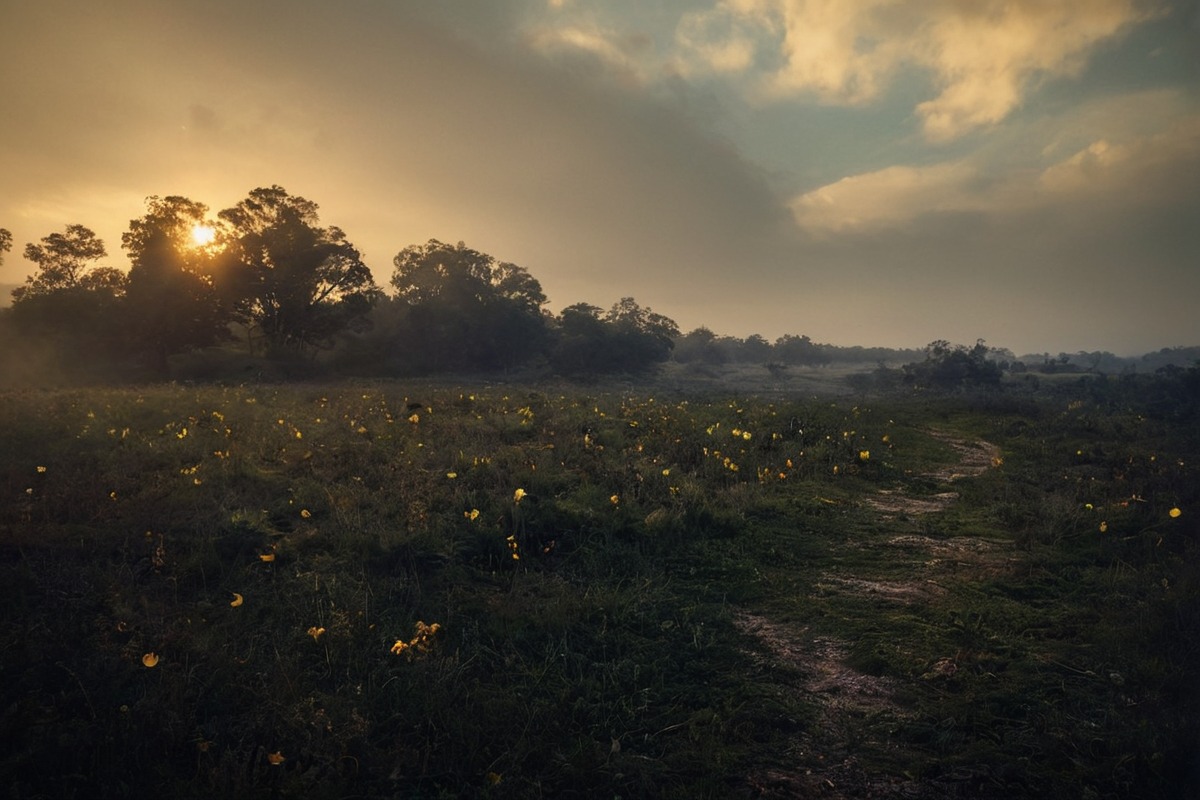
414, 590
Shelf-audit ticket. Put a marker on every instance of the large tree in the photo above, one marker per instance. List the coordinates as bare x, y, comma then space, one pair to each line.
628, 338
954, 366
64, 262
69, 308
463, 309
171, 299
5, 242
646, 337
298, 284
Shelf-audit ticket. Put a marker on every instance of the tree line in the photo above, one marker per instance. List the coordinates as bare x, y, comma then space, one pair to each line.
268, 273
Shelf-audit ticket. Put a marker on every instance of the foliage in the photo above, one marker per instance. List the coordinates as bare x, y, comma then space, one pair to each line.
948, 367
459, 309
171, 301
62, 261
69, 309
800, 350
628, 338
428, 591
296, 283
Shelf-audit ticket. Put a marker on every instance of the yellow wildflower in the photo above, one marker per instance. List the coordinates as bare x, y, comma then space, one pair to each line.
150, 660
276, 758
316, 633
518, 495
236, 601
1174, 513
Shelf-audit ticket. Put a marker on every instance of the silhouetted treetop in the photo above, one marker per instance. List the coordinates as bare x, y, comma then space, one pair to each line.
458, 308
437, 269
64, 262
172, 302
296, 282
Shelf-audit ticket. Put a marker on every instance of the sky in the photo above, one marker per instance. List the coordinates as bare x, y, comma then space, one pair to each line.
863, 172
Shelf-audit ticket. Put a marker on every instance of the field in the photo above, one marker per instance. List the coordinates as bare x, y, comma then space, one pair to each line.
425, 591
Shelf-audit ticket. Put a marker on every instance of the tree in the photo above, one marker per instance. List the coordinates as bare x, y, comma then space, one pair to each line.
171, 298
62, 260
698, 345
297, 283
948, 366
5, 242
579, 346
628, 338
463, 309
799, 351
755, 349
68, 307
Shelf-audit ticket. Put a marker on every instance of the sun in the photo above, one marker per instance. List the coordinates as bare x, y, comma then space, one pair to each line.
203, 235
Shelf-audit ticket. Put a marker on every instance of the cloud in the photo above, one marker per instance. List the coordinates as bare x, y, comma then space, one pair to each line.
986, 56
888, 197
1155, 169
1126, 152
624, 53
983, 58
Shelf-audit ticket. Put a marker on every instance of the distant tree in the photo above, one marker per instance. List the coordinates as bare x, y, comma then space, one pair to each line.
628, 338
171, 299
948, 367
755, 349
650, 334
580, 337
69, 307
698, 345
63, 263
463, 309
5, 243
800, 351
295, 282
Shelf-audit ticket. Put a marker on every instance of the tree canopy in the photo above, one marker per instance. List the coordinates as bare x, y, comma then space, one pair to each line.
171, 298
295, 282
64, 262
948, 366
628, 338
465, 309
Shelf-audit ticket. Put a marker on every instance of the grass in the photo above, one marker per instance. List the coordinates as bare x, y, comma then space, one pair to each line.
591, 560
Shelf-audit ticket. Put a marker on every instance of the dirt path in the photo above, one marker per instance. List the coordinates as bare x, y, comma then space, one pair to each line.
846, 699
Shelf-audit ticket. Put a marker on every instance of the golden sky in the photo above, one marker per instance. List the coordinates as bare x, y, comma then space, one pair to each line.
875, 172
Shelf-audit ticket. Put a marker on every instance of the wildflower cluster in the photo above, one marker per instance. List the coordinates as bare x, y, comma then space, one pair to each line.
420, 642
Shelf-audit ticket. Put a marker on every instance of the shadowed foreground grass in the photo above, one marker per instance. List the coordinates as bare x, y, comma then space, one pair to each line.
375, 591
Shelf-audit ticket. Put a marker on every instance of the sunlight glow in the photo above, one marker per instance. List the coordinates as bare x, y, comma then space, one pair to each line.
203, 235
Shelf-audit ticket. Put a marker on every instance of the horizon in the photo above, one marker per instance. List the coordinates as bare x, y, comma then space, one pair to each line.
858, 176
6, 301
